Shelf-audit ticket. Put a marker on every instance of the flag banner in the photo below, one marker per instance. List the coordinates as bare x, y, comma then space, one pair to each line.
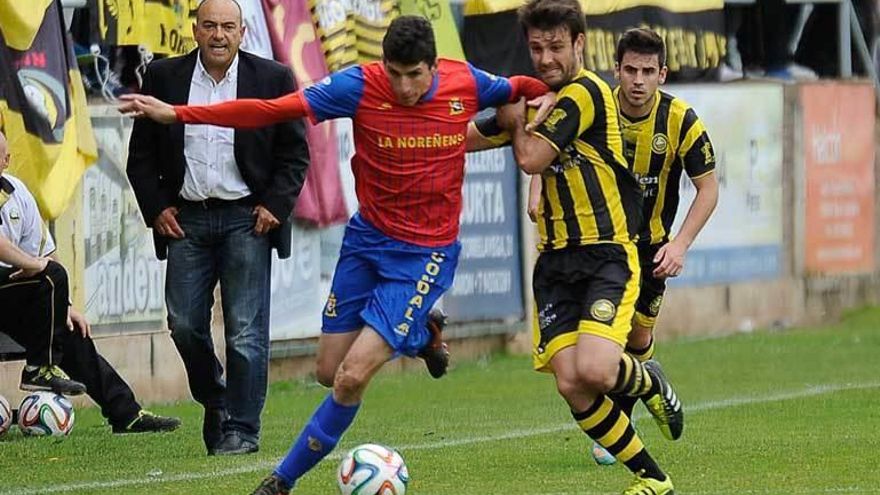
351, 32
43, 106
334, 25
695, 39
256, 35
162, 26
295, 43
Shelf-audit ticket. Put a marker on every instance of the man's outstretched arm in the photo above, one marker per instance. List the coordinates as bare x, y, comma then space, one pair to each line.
245, 113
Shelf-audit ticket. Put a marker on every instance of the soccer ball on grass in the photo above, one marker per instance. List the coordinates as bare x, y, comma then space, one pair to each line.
371, 469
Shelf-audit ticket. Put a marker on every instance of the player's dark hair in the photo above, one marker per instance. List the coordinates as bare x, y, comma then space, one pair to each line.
642, 41
410, 40
549, 15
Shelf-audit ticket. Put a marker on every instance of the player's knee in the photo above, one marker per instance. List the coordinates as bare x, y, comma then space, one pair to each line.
325, 375
349, 383
569, 387
598, 379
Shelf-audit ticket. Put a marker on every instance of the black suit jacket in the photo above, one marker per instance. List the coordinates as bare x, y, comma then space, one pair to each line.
272, 160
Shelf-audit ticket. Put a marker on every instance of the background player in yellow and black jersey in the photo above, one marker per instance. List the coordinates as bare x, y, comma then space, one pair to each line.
587, 275
663, 138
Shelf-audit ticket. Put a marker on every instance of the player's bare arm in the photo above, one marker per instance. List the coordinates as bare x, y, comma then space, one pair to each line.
533, 153
670, 258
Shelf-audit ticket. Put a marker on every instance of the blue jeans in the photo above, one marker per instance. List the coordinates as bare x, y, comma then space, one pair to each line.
220, 245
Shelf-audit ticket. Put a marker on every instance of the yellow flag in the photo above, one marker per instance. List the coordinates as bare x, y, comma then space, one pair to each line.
43, 106
20, 20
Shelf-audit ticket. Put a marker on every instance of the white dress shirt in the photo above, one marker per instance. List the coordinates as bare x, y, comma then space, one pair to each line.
211, 171
22, 223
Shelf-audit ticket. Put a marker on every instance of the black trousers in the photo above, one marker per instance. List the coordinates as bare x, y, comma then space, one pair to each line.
103, 384
33, 312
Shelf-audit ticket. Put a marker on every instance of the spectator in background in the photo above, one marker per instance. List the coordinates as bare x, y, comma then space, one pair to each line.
35, 298
760, 39
218, 201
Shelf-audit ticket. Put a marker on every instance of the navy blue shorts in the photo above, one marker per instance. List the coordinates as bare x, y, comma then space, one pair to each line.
387, 284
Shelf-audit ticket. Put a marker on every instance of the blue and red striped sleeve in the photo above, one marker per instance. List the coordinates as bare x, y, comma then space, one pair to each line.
337, 95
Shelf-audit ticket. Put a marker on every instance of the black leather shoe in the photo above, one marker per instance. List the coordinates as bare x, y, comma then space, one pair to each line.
212, 427
233, 444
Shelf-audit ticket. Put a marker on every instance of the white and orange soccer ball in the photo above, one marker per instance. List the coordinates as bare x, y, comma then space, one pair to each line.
45, 413
5, 415
371, 469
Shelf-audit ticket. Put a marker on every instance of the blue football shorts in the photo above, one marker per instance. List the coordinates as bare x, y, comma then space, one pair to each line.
387, 284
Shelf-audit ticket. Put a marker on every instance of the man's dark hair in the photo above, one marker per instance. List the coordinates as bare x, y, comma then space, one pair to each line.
410, 40
548, 15
642, 41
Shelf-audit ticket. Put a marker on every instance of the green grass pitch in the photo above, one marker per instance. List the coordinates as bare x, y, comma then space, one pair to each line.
784, 412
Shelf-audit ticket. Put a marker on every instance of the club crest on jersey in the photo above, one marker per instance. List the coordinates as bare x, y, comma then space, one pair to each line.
553, 120
659, 144
456, 107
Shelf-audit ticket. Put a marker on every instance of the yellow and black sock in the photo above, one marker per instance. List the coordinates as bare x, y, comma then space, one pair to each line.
633, 379
628, 403
642, 355
605, 423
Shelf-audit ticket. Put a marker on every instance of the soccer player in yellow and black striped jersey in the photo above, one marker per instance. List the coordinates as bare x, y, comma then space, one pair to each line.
663, 138
587, 275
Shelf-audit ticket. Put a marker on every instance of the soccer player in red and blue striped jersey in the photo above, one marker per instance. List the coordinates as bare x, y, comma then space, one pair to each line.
411, 116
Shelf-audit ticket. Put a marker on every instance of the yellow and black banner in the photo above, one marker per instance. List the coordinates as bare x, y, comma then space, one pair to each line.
162, 26
693, 31
352, 32
42, 103
334, 23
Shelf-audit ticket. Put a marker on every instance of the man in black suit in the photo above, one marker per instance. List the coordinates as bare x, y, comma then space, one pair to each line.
218, 201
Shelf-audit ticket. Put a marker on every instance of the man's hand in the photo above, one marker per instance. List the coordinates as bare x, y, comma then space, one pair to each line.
266, 221
511, 116
670, 260
77, 321
31, 270
166, 224
134, 105
544, 105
